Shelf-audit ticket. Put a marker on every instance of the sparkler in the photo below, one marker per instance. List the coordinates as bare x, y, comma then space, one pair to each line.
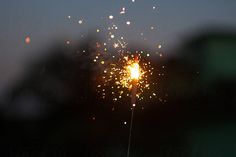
135, 74
123, 73
127, 76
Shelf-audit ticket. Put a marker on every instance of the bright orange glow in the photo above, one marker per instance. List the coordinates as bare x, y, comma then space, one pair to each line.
131, 72
123, 74
134, 71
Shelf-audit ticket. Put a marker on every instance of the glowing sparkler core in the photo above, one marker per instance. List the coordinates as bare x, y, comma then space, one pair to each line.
131, 73
134, 71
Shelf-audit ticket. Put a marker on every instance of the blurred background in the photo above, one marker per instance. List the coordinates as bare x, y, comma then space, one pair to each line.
48, 103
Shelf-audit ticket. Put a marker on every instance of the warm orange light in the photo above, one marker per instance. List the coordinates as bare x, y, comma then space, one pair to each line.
134, 70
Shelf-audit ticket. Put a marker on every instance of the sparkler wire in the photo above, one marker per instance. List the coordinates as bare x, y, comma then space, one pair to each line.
130, 131
133, 100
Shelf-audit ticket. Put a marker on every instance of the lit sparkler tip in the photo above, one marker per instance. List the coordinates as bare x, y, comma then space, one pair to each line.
134, 71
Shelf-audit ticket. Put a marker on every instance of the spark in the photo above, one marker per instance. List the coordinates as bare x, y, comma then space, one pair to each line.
111, 17
112, 36
123, 44
115, 45
27, 40
122, 11
128, 23
80, 21
68, 42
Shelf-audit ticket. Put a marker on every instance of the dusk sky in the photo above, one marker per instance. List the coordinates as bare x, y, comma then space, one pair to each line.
112, 78
46, 22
